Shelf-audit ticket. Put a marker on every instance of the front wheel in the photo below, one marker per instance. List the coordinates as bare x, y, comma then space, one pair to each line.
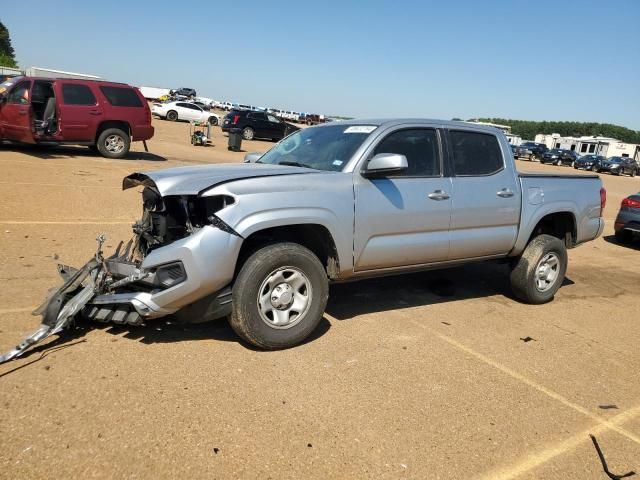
279, 296
113, 143
540, 271
172, 115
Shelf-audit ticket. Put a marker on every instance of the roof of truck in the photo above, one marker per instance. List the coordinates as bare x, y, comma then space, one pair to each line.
399, 121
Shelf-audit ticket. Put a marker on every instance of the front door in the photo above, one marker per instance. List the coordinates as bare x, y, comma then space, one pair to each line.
403, 219
79, 111
485, 210
16, 114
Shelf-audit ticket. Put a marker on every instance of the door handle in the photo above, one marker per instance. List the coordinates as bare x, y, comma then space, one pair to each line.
505, 193
438, 195
22, 112
95, 112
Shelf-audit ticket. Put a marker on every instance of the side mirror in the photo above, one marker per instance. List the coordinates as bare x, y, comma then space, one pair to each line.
252, 157
385, 163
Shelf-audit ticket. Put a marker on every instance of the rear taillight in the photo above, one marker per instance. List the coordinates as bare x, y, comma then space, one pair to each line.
603, 200
235, 119
630, 203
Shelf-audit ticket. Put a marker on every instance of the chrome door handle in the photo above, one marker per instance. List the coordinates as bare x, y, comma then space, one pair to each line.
505, 193
438, 195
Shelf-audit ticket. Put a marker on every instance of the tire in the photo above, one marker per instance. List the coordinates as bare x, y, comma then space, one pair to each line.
113, 143
573, 164
528, 280
559, 163
172, 115
633, 172
256, 322
213, 121
248, 133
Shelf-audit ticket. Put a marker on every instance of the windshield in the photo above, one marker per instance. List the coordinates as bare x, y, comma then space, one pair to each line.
323, 148
615, 160
556, 150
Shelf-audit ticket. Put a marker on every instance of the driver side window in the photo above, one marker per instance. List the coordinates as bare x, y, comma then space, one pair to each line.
419, 145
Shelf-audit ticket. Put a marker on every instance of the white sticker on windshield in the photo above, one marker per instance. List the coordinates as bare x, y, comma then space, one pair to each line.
337, 163
360, 129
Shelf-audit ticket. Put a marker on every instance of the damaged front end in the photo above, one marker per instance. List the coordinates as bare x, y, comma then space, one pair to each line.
169, 264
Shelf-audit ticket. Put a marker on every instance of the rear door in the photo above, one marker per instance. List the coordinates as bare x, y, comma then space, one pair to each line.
16, 114
258, 120
485, 210
403, 219
79, 111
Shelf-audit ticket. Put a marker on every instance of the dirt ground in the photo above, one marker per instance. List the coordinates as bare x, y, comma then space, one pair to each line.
436, 375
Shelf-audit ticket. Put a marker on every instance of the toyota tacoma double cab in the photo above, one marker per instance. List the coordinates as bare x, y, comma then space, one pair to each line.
105, 116
260, 242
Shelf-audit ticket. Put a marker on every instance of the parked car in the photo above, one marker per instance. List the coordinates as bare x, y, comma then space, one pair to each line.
257, 125
619, 166
588, 162
185, 92
514, 150
260, 242
627, 222
188, 111
105, 116
559, 156
531, 150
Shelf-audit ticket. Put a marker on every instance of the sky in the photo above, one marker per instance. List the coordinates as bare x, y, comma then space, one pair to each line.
528, 60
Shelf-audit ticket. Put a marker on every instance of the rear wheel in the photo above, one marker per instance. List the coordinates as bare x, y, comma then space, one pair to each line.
540, 270
172, 115
113, 143
279, 296
248, 133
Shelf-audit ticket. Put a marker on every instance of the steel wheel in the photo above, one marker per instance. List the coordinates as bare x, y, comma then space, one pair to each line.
114, 144
547, 272
284, 297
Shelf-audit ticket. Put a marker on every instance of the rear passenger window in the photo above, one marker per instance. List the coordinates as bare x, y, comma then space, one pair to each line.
420, 146
475, 153
77, 95
121, 97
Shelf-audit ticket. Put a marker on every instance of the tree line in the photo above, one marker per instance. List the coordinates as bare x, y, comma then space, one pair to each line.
528, 129
7, 55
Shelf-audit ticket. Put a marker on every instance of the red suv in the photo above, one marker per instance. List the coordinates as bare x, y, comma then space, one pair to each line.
105, 116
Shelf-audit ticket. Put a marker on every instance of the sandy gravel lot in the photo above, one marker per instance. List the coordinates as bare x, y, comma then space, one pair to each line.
422, 376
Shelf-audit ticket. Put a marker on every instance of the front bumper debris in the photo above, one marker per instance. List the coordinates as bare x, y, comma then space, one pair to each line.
80, 286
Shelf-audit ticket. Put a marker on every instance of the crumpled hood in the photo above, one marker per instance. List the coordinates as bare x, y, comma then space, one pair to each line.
195, 180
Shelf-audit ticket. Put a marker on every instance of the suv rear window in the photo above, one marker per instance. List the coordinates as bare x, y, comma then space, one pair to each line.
121, 96
475, 153
73, 94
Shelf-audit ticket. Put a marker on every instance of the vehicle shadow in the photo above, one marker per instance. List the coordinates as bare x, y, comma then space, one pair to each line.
168, 331
64, 151
479, 280
633, 244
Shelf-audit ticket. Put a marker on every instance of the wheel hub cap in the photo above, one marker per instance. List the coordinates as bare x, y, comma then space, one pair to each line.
547, 272
284, 297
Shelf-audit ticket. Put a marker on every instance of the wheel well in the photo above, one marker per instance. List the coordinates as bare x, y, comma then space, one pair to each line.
312, 236
560, 224
124, 126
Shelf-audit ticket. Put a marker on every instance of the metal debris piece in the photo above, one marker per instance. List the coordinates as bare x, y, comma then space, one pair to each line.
605, 467
63, 303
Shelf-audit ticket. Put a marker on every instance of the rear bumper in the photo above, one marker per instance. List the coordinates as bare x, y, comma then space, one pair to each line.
142, 132
627, 220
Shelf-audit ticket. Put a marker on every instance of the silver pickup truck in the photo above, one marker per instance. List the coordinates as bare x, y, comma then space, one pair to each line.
259, 242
